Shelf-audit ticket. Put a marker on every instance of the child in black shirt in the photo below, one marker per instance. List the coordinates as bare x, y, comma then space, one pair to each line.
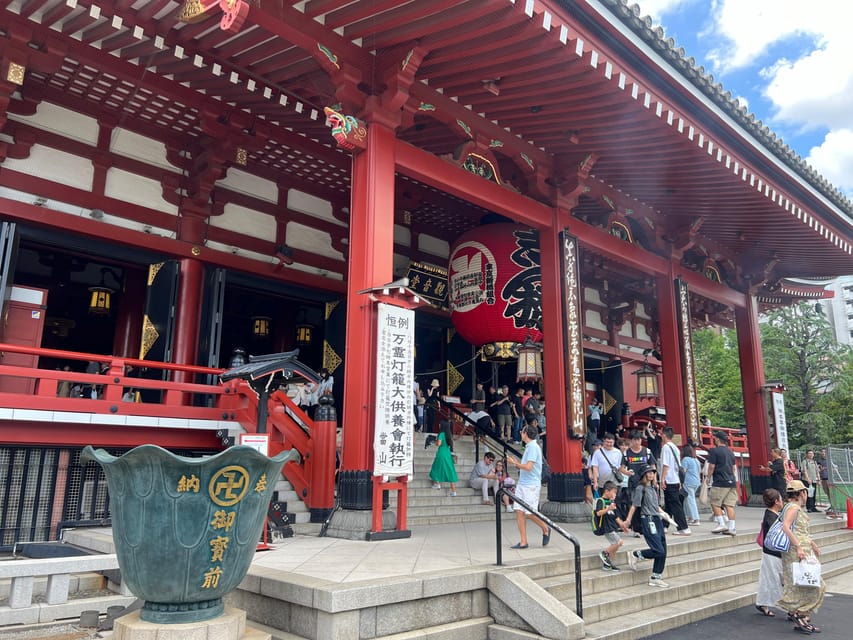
607, 523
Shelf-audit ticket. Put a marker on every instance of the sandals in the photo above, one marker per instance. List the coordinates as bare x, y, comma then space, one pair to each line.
765, 611
802, 624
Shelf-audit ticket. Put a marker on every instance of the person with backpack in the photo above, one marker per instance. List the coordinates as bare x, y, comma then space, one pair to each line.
607, 523
646, 501
636, 457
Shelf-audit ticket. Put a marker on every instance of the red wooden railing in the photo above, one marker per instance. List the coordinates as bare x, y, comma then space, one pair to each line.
313, 477
231, 401
176, 396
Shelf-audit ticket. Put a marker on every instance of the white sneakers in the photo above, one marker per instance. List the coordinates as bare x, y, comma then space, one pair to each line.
683, 532
721, 528
633, 560
657, 582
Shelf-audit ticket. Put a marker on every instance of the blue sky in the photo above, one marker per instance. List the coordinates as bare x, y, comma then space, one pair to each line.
790, 61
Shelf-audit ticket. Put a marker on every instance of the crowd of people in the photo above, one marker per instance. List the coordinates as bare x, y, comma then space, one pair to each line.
649, 487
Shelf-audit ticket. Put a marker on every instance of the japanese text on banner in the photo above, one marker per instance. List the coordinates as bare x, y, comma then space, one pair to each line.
393, 444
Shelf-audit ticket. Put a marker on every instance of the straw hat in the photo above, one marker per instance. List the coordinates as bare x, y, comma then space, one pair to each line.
434, 382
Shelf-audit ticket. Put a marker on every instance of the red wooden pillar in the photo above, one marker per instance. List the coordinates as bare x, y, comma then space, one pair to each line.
188, 311
563, 368
371, 264
752, 382
128, 334
670, 343
564, 453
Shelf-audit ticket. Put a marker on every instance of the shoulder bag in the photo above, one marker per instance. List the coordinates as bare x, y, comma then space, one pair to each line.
775, 539
617, 475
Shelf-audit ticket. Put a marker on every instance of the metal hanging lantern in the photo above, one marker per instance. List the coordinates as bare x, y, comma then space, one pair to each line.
100, 301
261, 326
529, 361
304, 334
647, 381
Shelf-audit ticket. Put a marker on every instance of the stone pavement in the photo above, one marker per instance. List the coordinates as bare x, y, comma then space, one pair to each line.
449, 546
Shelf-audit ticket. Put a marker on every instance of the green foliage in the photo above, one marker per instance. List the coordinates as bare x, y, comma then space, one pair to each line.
718, 381
800, 349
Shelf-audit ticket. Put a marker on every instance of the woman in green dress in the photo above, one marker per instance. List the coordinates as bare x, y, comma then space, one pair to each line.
800, 602
442, 466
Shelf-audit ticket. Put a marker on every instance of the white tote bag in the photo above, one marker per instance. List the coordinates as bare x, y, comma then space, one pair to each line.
806, 573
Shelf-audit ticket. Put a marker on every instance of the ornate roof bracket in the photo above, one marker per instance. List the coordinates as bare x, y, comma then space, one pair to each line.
762, 277
399, 78
572, 182
229, 139
19, 149
683, 238
426, 101
18, 54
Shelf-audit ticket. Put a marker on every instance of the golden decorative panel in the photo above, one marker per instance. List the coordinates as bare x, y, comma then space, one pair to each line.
15, 74
454, 378
331, 360
153, 270
330, 307
149, 336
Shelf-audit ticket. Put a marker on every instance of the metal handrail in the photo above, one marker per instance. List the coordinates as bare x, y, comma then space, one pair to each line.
554, 527
479, 431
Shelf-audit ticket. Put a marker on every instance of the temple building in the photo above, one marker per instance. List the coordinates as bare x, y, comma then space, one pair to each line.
187, 184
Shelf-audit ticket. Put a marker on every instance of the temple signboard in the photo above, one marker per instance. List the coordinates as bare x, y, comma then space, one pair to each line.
393, 443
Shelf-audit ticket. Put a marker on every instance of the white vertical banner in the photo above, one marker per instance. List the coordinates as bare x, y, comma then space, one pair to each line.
393, 432
779, 420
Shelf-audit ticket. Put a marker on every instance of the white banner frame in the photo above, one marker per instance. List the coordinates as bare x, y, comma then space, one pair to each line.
780, 423
393, 429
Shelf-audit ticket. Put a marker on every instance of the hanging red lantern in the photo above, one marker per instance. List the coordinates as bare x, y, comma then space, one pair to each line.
495, 284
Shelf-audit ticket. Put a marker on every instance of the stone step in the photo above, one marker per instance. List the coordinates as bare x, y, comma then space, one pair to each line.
693, 559
678, 613
683, 585
471, 629
420, 520
501, 632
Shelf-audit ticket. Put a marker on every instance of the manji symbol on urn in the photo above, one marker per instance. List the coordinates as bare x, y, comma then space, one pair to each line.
185, 529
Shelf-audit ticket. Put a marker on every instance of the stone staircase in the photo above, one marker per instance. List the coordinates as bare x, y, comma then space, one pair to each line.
434, 506
708, 575
426, 505
531, 599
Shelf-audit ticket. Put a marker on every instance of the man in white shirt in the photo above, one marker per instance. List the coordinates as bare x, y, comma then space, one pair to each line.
483, 477
671, 483
605, 462
529, 486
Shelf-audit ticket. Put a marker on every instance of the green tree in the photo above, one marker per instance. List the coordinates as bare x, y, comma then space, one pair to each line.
800, 349
718, 382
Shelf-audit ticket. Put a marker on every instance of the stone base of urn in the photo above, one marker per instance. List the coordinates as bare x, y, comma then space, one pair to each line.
231, 625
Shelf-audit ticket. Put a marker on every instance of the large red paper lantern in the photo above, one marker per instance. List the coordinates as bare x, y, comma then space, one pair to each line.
495, 284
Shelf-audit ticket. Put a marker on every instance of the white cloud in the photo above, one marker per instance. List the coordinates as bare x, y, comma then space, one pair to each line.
812, 92
816, 89
834, 159
657, 8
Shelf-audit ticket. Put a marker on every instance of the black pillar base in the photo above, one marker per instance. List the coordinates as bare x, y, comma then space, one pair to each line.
320, 515
355, 491
565, 487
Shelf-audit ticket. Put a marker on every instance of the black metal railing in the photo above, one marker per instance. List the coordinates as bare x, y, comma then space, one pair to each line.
555, 528
488, 436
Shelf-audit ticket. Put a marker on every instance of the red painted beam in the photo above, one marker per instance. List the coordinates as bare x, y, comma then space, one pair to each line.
79, 435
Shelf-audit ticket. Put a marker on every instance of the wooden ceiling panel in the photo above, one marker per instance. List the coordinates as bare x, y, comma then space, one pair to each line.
566, 100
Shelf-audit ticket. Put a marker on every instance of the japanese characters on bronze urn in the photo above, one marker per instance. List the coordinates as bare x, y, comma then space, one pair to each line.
186, 529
